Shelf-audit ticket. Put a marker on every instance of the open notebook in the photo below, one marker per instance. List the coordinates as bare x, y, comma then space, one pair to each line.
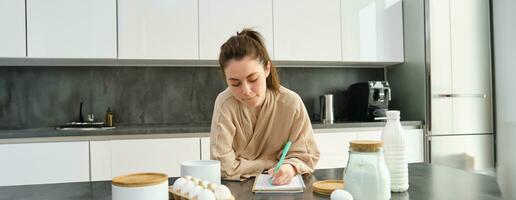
262, 185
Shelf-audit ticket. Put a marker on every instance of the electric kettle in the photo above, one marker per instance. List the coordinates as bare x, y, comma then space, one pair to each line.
326, 102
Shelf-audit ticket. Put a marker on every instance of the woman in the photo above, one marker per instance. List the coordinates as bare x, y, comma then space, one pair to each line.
255, 117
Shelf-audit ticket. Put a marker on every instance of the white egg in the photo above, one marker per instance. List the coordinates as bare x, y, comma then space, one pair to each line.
206, 195
222, 192
187, 187
196, 181
212, 186
205, 184
195, 191
178, 184
339, 194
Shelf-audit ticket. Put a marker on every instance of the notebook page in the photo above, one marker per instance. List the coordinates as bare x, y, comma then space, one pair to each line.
262, 183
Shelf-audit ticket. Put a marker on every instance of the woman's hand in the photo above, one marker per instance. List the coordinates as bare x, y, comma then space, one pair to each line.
284, 175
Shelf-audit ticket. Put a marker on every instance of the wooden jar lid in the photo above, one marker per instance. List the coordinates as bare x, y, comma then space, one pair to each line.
326, 187
139, 179
366, 145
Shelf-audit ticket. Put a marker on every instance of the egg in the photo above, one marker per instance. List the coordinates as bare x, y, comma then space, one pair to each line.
195, 192
196, 181
206, 195
212, 186
178, 184
188, 178
339, 194
205, 184
187, 187
222, 192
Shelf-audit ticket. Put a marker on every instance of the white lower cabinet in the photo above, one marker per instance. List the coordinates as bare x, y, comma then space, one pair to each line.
43, 163
205, 148
415, 145
118, 157
334, 145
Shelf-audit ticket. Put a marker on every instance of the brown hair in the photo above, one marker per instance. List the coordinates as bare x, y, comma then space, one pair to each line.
249, 43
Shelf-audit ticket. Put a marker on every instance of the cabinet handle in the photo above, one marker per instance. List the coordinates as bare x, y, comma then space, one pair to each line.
482, 95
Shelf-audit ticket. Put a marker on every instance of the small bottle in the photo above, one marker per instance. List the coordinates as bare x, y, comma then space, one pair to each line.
395, 151
109, 118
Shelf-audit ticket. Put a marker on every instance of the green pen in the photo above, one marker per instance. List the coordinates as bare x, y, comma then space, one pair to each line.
282, 158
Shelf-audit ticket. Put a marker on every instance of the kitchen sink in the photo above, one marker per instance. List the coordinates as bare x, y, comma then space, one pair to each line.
84, 126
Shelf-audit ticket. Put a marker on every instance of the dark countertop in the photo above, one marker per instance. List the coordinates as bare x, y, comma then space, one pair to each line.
427, 181
163, 129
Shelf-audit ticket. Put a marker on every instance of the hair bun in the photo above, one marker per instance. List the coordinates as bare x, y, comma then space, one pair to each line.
252, 34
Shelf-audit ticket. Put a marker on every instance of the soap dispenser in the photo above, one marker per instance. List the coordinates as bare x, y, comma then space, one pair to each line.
109, 118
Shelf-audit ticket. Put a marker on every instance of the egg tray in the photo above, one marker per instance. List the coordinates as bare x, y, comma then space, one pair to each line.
178, 196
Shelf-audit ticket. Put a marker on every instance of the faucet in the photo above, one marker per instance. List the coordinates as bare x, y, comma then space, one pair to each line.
81, 119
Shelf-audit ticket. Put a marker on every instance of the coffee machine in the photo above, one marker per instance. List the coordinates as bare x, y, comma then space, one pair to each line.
368, 101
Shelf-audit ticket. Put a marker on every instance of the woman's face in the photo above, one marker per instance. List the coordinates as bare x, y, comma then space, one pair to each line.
246, 79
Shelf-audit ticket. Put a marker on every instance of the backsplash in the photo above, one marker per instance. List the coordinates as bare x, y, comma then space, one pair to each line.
33, 97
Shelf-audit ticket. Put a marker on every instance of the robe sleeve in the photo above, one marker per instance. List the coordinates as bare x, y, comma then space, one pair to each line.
303, 153
221, 146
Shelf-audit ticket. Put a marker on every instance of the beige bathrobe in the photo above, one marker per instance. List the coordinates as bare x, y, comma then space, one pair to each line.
246, 144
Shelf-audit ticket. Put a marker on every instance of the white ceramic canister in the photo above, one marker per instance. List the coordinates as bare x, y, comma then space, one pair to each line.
148, 186
208, 170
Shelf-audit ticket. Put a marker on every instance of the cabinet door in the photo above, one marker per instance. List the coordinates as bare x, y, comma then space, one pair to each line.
460, 67
43, 163
471, 66
220, 19
334, 148
369, 135
372, 30
100, 160
205, 148
415, 145
71, 28
158, 29
467, 152
155, 155
307, 30
12, 23
441, 69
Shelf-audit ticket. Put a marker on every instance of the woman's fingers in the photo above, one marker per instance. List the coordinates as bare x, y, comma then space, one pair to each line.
282, 179
284, 175
271, 171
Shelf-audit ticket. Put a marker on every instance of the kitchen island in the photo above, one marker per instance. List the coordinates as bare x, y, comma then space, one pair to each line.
427, 181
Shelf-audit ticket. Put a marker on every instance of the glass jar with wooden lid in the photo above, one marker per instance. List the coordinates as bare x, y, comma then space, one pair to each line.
366, 174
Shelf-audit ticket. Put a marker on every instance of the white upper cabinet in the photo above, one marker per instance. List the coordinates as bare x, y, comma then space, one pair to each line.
12, 28
307, 30
158, 29
71, 28
372, 30
220, 19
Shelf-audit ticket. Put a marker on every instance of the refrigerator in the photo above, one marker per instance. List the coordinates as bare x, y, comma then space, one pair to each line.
460, 125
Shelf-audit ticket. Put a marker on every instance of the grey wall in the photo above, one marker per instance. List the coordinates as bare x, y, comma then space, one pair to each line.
504, 30
408, 80
48, 96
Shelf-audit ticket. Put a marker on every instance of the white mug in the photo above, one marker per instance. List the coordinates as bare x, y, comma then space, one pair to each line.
208, 170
